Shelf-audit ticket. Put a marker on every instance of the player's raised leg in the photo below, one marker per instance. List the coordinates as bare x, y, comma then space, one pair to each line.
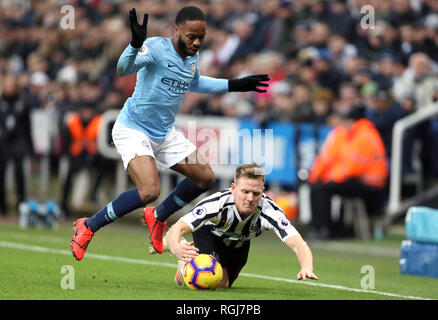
199, 178
144, 173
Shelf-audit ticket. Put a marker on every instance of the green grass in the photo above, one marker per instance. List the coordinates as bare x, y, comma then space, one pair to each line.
27, 274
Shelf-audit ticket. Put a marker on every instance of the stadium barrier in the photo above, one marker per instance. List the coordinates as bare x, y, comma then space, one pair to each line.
395, 205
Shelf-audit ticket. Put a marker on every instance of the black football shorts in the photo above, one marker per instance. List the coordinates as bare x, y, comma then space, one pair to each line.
230, 257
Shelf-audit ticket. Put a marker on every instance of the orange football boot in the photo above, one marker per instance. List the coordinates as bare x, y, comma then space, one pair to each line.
155, 228
81, 238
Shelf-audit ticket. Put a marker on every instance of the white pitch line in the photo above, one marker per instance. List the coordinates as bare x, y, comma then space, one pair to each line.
331, 286
14, 245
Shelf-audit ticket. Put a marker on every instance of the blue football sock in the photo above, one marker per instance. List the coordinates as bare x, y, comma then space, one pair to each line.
123, 204
184, 193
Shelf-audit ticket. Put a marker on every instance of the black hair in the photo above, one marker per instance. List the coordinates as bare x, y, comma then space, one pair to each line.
355, 113
190, 13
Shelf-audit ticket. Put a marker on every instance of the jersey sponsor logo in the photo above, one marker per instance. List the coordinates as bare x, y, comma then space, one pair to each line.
175, 86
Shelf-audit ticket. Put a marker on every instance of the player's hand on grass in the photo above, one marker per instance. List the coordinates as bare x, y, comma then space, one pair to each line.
185, 251
306, 273
249, 83
138, 31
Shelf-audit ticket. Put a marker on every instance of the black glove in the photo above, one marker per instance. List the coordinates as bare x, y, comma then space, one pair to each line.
138, 30
249, 83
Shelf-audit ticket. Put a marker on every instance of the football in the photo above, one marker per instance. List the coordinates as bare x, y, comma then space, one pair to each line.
203, 272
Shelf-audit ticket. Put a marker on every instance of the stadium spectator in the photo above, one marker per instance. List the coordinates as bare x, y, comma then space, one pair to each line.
281, 106
261, 108
144, 133
321, 100
80, 142
235, 104
348, 97
15, 139
224, 223
282, 24
240, 43
387, 69
383, 112
361, 77
328, 76
340, 19
352, 163
211, 106
302, 110
301, 36
339, 49
421, 78
320, 33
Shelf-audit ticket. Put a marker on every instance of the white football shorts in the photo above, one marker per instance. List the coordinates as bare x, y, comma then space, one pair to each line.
130, 142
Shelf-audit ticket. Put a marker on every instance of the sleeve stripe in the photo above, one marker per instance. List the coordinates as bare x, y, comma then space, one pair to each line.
197, 222
282, 232
224, 215
212, 199
274, 206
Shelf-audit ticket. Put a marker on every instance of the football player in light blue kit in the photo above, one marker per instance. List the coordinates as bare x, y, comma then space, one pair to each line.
144, 133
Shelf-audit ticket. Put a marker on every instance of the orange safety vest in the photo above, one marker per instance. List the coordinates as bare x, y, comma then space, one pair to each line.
83, 138
356, 153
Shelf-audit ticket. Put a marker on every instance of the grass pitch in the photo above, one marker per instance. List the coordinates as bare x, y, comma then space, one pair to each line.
117, 265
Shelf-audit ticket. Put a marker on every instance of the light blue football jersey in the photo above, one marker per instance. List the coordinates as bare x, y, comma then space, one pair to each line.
163, 77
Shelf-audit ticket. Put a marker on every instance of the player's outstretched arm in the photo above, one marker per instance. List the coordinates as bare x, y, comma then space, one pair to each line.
250, 83
182, 250
204, 84
305, 257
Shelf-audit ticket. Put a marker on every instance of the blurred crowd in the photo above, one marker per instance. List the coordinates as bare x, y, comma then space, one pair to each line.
323, 57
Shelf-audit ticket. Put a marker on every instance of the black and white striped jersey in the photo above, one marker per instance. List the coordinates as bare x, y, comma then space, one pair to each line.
219, 211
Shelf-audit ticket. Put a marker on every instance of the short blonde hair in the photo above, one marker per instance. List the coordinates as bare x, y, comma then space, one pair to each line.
249, 170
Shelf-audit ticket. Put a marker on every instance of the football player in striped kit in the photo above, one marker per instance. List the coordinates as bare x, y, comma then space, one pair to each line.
223, 224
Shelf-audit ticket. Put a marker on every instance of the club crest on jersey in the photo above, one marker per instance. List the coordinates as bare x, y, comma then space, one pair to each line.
199, 212
143, 50
193, 69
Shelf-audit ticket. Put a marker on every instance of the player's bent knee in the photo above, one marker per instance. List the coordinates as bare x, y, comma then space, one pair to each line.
207, 181
149, 194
